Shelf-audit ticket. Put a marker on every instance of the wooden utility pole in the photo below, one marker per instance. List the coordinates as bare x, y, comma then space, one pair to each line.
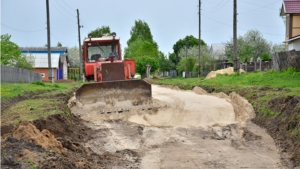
50, 70
236, 61
199, 66
79, 40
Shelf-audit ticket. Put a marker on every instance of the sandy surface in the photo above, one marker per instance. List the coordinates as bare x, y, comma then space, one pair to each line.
186, 129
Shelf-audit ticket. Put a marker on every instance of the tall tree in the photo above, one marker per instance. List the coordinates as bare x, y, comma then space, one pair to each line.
192, 41
141, 30
11, 54
99, 32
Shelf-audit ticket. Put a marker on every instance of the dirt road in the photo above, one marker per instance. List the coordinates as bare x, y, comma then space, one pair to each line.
187, 129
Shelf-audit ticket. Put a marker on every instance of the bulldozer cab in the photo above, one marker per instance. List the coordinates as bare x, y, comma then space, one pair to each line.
96, 51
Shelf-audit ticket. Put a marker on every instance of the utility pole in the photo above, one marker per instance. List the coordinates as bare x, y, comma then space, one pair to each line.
199, 66
186, 61
79, 40
236, 61
50, 70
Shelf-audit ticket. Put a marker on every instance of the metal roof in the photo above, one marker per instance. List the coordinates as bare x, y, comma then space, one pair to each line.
290, 6
31, 49
41, 60
102, 38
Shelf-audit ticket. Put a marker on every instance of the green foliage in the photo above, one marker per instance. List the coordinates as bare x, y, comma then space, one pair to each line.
99, 32
192, 41
265, 111
59, 44
143, 61
294, 132
140, 48
164, 63
251, 45
265, 56
141, 31
11, 54
38, 83
186, 64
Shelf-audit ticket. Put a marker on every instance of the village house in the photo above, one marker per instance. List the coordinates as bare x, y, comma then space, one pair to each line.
291, 11
39, 57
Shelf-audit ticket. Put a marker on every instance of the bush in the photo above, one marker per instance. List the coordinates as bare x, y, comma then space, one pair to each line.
143, 61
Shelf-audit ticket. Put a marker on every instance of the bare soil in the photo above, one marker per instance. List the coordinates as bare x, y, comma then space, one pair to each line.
137, 140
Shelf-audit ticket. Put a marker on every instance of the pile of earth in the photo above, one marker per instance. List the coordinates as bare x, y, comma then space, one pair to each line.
59, 145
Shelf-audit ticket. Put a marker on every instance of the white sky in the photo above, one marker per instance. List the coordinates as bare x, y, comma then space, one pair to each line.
169, 20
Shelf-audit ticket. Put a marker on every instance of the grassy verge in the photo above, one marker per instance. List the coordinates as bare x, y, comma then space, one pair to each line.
34, 100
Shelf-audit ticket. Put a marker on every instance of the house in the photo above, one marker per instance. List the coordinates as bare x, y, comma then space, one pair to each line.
39, 57
217, 51
291, 11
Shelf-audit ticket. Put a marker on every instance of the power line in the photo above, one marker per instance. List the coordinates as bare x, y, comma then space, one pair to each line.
62, 13
68, 5
260, 7
20, 30
241, 28
64, 8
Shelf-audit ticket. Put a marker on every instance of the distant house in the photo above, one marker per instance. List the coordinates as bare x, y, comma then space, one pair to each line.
39, 57
217, 51
291, 10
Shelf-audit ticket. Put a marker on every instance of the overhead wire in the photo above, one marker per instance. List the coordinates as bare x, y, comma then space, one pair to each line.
62, 12
264, 6
65, 8
20, 30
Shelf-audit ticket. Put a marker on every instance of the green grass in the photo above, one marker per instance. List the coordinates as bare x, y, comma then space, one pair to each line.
11, 90
289, 79
45, 101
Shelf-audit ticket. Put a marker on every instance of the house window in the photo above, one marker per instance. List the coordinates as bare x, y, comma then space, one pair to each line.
43, 75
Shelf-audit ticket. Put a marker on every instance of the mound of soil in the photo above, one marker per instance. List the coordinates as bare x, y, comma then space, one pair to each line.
229, 71
30, 147
27, 131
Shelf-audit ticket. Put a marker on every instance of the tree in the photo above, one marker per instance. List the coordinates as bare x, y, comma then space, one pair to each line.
59, 44
181, 45
140, 48
11, 54
278, 48
143, 61
73, 56
251, 45
141, 31
164, 63
99, 32
193, 53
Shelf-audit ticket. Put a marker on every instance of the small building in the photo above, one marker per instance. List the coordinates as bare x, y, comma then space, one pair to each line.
291, 10
217, 51
39, 58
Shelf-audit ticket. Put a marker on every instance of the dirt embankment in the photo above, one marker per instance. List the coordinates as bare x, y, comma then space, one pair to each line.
59, 145
283, 125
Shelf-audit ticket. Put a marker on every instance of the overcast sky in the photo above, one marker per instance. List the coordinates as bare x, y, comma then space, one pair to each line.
169, 20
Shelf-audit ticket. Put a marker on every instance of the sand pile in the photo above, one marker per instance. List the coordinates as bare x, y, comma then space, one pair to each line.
27, 131
229, 71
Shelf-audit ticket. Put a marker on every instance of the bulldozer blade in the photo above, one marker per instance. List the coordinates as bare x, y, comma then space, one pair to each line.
112, 95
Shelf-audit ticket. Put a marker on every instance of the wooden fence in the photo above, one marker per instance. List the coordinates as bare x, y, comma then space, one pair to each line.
284, 60
17, 75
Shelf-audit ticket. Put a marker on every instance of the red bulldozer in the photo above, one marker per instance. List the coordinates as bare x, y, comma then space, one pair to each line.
114, 86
